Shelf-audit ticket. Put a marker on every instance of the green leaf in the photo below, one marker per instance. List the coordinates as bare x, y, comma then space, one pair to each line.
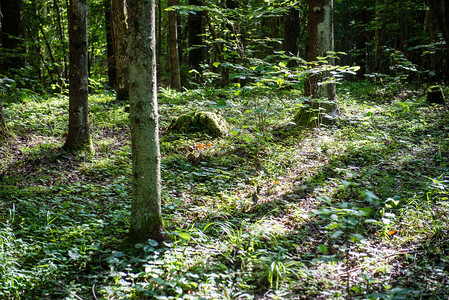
323, 249
152, 243
184, 235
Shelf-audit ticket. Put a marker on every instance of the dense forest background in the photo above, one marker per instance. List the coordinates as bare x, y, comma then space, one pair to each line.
222, 41
276, 202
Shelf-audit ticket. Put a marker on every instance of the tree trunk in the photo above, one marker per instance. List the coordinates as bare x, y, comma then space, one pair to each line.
381, 27
175, 77
146, 219
320, 42
3, 128
291, 31
361, 57
195, 30
112, 71
440, 9
13, 34
119, 40
79, 132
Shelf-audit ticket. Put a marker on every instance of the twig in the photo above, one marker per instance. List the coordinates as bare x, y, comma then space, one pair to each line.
93, 292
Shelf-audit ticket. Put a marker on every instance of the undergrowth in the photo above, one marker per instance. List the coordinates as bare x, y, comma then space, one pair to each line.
357, 209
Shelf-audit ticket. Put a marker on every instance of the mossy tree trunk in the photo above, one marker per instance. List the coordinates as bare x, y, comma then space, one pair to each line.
146, 219
320, 42
78, 137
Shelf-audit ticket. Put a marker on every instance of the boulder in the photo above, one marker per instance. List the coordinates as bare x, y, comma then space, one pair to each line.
203, 121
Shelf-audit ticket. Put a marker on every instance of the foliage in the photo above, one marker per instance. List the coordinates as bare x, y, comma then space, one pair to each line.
357, 209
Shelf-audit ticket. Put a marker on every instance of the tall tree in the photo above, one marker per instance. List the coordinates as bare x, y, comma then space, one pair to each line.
291, 31
78, 137
440, 9
175, 77
195, 31
119, 39
146, 219
320, 42
112, 72
3, 127
13, 34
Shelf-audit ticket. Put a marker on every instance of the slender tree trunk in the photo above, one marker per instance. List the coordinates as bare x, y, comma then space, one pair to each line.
62, 40
13, 35
146, 219
195, 30
3, 128
79, 132
320, 42
361, 42
291, 31
381, 27
175, 77
112, 72
440, 9
119, 40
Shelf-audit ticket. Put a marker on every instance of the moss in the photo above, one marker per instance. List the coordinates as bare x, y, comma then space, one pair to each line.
206, 122
316, 113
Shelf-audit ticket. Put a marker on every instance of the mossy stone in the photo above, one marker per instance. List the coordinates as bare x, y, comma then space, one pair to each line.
204, 121
313, 114
435, 95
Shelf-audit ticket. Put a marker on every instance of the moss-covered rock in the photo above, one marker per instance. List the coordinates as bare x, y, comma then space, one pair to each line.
315, 113
203, 121
435, 95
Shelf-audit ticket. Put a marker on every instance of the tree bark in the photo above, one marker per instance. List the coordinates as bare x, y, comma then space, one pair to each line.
13, 35
381, 27
195, 30
78, 137
119, 40
361, 57
320, 42
3, 127
146, 219
291, 31
440, 9
112, 71
175, 77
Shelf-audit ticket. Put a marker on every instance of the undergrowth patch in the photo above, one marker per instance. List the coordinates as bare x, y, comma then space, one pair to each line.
353, 210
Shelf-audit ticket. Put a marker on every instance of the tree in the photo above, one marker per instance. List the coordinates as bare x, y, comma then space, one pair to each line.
291, 31
78, 137
175, 77
3, 127
146, 219
320, 42
119, 40
195, 31
13, 34
440, 9
112, 72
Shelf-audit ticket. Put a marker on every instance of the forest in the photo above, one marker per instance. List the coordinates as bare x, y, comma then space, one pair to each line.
222, 149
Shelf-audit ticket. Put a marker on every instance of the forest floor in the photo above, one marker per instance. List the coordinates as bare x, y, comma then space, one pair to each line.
354, 210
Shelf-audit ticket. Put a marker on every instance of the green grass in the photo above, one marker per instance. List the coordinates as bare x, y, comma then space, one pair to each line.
357, 209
